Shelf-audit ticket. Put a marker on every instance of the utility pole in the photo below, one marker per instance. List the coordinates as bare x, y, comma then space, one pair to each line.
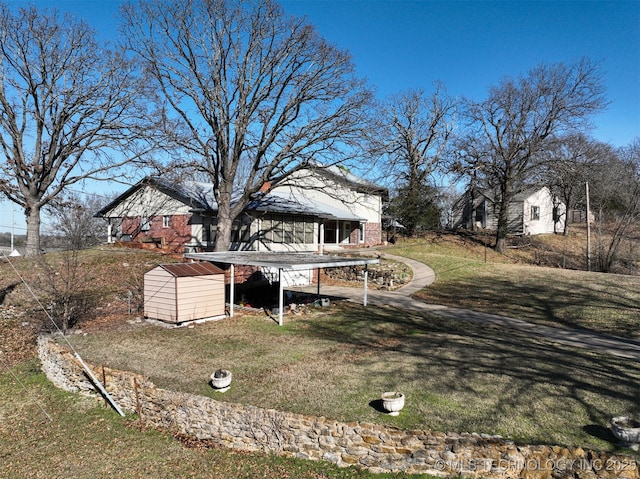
586, 185
13, 252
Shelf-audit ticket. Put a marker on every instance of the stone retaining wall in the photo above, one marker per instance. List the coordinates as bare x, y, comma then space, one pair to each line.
379, 448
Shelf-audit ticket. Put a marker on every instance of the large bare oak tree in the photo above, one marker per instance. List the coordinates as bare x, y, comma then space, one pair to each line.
65, 106
414, 128
249, 93
511, 128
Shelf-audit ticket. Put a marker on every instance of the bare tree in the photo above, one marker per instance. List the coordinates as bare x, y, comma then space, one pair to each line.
65, 106
615, 197
568, 163
412, 133
511, 128
73, 223
250, 93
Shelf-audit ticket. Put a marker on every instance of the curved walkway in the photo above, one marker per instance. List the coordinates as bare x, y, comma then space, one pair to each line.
423, 276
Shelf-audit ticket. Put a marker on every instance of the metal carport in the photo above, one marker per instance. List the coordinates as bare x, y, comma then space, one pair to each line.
282, 261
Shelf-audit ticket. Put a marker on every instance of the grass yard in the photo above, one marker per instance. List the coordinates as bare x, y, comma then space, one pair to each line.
334, 362
84, 440
607, 303
457, 376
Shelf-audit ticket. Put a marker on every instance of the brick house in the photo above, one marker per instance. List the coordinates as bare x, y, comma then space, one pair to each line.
315, 209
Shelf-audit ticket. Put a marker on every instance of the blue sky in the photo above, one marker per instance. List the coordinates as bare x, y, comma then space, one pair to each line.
467, 45
471, 45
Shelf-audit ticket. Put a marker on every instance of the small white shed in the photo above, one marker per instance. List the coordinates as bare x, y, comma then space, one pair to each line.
182, 292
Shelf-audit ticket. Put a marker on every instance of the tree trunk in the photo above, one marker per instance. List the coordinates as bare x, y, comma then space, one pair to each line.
225, 219
223, 238
32, 247
503, 221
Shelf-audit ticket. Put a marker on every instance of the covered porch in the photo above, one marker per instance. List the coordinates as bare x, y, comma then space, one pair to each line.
281, 262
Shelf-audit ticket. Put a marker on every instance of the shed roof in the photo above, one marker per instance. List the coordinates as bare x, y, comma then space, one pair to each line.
181, 270
286, 261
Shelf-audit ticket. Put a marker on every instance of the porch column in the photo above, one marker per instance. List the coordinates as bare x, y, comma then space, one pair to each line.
232, 288
366, 276
280, 298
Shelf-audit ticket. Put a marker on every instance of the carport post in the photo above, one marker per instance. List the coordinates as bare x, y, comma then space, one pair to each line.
280, 298
232, 288
366, 276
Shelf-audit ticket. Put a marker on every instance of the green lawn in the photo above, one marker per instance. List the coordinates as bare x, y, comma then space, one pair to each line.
457, 376
606, 303
84, 440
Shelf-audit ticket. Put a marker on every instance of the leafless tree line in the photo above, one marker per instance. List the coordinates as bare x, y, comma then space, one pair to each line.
244, 95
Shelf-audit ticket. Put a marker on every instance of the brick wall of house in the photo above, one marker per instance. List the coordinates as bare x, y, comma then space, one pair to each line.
173, 237
131, 226
373, 234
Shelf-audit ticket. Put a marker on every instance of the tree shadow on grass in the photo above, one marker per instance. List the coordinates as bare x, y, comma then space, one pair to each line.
494, 374
602, 304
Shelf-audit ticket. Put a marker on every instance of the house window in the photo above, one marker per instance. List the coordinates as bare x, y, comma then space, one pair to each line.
145, 224
480, 215
166, 221
240, 232
345, 236
308, 231
287, 229
535, 213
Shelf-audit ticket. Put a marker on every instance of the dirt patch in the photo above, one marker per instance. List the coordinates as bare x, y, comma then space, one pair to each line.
17, 339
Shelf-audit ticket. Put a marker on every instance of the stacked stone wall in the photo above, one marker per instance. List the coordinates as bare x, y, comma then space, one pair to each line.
379, 448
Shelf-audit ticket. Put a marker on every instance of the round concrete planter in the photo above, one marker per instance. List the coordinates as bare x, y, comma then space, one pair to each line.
627, 430
393, 402
221, 380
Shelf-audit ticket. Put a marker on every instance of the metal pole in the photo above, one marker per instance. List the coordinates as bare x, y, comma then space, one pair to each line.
586, 186
366, 276
232, 288
13, 224
280, 298
98, 384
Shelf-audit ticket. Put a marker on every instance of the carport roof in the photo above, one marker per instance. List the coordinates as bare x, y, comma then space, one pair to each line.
285, 261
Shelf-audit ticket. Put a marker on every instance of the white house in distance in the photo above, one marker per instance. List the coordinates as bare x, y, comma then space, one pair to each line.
531, 212
316, 209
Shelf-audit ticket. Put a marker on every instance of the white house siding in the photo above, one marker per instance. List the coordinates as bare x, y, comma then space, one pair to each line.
360, 207
289, 278
322, 190
148, 201
545, 224
465, 214
160, 295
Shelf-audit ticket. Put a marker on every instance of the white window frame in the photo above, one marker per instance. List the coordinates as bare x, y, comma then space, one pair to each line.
535, 213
